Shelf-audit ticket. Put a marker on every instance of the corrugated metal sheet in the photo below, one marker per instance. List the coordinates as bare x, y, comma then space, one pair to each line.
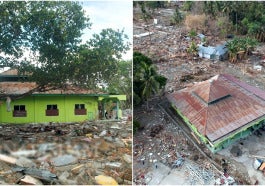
210, 52
217, 119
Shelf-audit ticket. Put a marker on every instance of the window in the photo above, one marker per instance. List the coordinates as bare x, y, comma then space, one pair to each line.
51, 107
79, 106
52, 110
19, 111
80, 109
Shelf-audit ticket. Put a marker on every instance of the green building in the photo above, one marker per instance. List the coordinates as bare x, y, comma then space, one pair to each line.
71, 104
221, 110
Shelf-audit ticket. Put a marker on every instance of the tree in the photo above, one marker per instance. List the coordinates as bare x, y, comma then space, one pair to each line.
240, 47
52, 31
49, 30
98, 59
248, 17
146, 81
187, 6
121, 82
177, 18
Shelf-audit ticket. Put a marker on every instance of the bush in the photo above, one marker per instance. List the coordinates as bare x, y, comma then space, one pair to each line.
196, 22
136, 125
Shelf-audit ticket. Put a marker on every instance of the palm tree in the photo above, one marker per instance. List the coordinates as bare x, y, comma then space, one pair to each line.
232, 50
150, 84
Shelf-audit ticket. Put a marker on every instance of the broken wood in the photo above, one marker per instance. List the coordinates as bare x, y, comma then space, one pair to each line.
27, 153
76, 170
36, 173
29, 180
195, 137
255, 156
8, 159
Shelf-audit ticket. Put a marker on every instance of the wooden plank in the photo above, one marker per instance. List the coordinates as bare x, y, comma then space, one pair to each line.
8, 159
195, 137
28, 180
255, 156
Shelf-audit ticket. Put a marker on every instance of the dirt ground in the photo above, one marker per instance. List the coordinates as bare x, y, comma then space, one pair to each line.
153, 156
170, 143
68, 154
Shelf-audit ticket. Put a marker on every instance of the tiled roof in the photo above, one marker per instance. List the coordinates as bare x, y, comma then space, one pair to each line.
18, 88
220, 105
9, 72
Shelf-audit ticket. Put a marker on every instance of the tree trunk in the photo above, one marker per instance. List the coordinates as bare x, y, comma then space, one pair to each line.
147, 105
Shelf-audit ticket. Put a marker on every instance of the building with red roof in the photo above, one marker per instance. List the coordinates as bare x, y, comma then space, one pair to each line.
220, 110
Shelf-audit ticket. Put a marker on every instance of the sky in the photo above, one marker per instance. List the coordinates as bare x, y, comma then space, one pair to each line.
109, 14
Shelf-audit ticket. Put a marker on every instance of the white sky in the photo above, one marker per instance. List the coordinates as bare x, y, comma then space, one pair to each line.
110, 14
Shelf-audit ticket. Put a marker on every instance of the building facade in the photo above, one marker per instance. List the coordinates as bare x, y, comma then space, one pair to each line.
71, 104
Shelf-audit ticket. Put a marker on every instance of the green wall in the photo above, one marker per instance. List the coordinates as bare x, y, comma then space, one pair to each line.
36, 107
230, 139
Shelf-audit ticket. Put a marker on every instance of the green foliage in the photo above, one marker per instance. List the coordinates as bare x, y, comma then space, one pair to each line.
145, 14
212, 8
51, 30
187, 6
155, 4
98, 59
248, 16
193, 49
162, 81
136, 125
243, 45
146, 81
121, 82
192, 33
177, 17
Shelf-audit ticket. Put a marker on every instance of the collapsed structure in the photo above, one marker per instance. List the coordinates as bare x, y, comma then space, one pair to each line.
220, 110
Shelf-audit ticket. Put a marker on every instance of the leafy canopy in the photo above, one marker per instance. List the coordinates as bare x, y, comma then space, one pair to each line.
51, 31
146, 80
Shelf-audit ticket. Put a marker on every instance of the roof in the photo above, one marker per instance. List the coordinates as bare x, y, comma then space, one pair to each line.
18, 88
219, 106
211, 50
10, 72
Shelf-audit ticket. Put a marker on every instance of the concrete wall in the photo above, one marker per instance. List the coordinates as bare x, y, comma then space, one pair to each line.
36, 109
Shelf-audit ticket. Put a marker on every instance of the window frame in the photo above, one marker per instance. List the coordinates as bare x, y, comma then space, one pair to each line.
80, 109
19, 111
52, 110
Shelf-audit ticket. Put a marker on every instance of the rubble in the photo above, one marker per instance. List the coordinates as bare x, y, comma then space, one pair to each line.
105, 180
167, 47
39, 154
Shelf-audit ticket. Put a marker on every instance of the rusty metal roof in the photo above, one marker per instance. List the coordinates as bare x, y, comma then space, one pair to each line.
220, 105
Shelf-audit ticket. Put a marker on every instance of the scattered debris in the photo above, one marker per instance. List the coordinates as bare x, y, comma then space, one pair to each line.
236, 151
105, 180
155, 130
29, 180
37, 154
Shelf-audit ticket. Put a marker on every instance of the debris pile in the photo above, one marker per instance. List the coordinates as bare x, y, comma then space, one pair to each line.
167, 46
71, 154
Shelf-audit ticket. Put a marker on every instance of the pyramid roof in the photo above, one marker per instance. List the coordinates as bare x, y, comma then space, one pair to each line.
220, 106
